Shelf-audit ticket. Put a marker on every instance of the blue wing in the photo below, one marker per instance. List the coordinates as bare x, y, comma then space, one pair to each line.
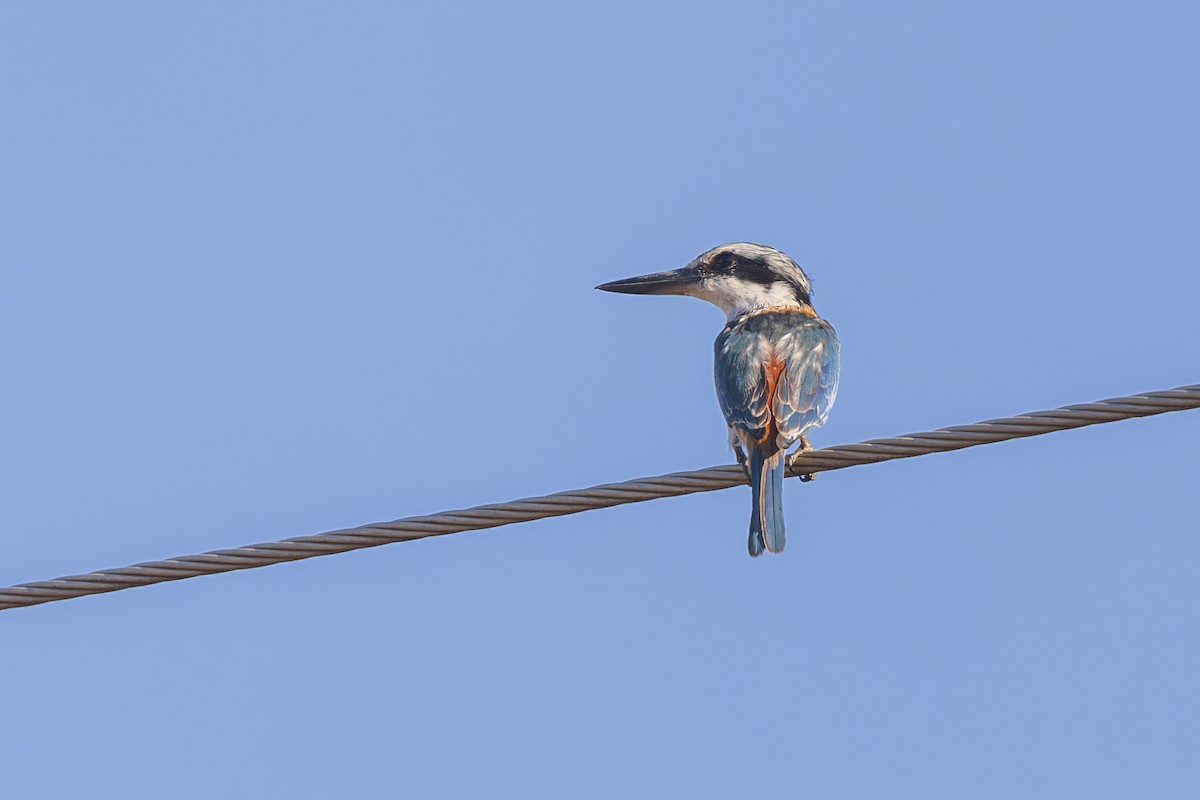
743, 388
808, 384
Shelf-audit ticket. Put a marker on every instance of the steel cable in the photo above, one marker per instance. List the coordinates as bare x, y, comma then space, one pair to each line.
490, 516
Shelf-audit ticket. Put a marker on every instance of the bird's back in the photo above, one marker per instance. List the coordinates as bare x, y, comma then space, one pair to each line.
776, 372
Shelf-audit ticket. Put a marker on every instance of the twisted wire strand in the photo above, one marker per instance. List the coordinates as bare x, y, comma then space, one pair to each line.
871, 451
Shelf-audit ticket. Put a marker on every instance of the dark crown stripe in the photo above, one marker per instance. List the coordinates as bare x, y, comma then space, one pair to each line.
752, 269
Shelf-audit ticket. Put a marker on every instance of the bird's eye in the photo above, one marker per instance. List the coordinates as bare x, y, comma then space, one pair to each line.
722, 262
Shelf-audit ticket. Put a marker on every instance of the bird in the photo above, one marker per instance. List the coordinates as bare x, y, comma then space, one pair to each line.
776, 363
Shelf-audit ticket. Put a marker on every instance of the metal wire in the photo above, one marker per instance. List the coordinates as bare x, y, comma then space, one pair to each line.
603, 496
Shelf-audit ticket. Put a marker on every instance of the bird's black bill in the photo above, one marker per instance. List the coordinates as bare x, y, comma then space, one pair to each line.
674, 281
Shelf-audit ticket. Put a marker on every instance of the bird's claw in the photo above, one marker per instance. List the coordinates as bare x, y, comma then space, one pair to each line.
805, 446
740, 454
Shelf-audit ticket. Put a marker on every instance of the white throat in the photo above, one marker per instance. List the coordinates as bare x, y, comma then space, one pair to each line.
737, 297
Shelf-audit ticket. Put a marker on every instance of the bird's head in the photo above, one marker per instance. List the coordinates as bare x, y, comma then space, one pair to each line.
738, 278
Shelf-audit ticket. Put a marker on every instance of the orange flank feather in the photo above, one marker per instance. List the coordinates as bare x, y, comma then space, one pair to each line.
772, 369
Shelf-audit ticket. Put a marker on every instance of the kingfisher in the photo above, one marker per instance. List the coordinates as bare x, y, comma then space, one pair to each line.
776, 363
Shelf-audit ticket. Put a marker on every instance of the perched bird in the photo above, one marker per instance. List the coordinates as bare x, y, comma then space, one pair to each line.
777, 363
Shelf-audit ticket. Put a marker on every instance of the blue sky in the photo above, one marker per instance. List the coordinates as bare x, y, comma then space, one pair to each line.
275, 268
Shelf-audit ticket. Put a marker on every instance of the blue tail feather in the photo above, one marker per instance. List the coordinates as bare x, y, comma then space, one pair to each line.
766, 510
757, 543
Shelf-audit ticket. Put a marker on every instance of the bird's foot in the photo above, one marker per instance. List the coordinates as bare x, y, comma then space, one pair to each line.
805, 446
740, 454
